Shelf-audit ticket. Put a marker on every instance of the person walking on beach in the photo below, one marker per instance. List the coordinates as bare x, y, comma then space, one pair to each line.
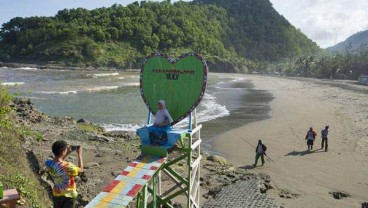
324, 134
63, 174
260, 152
310, 137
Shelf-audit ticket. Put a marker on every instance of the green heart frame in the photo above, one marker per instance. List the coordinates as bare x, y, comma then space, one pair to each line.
181, 82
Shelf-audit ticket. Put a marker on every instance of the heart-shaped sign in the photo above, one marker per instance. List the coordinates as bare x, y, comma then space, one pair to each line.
180, 82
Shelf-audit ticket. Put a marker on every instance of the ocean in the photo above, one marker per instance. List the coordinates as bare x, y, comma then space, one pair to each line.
112, 99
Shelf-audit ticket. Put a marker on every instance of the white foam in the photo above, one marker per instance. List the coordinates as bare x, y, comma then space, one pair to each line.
94, 89
239, 79
210, 110
11, 83
32, 98
122, 127
105, 74
102, 88
131, 84
61, 93
27, 68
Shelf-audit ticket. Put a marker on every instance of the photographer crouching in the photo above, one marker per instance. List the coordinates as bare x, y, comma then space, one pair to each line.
63, 174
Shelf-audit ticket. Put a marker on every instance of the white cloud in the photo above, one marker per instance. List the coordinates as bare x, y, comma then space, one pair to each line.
324, 21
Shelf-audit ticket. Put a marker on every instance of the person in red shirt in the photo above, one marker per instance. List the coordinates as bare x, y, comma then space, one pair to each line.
310, 137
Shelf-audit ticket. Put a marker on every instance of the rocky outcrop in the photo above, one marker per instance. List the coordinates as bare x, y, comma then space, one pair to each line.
106, 154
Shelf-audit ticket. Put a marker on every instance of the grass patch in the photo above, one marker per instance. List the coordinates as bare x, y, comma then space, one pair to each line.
91, 127
15, 169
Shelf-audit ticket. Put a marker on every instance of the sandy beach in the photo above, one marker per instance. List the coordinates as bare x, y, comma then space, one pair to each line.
309, 176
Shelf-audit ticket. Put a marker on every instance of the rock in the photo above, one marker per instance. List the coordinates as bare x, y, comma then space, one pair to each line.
231, 175
115, 173
214, 191
216, 158
176, 205
82, 120
287, 194
91, 165
339, 195
120, 134
262, 188
268, 186
232, 168
100, 138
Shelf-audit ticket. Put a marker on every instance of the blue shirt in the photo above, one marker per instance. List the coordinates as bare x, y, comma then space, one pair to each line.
324, 133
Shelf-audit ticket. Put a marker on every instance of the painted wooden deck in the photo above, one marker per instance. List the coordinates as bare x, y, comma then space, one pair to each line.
125, 187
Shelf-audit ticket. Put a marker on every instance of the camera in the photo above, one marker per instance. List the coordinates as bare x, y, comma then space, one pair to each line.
74, 147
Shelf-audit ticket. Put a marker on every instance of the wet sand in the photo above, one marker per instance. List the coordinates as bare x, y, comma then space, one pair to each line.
246, 107
309, 176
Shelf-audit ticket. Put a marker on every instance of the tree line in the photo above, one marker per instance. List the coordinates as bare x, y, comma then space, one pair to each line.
243, 33
350, 64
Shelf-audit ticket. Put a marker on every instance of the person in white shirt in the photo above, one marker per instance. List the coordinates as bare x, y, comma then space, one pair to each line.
161, 124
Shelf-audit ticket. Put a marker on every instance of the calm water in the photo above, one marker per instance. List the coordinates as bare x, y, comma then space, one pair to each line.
112, 99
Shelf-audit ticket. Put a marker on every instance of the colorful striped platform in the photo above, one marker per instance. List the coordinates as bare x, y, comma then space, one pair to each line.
125, 187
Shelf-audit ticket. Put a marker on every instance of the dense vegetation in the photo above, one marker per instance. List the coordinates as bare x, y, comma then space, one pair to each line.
257, 31
237, 35
244, 33
15, 170
348, 63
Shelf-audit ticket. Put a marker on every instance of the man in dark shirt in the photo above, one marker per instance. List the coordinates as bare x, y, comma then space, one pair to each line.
260, 152
324, 134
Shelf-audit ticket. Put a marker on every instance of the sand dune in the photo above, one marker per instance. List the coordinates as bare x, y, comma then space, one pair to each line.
298, 105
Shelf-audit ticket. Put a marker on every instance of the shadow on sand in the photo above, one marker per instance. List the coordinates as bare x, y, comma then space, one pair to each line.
302, 153
247, 167
293, 153
250, 167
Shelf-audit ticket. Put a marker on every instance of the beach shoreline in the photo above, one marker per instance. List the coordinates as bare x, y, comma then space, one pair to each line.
313, 176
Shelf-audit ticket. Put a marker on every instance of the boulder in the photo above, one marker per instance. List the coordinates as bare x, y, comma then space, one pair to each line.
216, 158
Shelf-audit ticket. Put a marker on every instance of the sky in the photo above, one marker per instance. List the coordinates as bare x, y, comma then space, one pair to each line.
326, 22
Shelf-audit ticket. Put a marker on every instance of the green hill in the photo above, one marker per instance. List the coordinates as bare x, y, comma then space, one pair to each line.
356, 42
238, 33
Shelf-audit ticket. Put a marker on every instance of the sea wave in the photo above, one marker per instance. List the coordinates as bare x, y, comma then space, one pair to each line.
122, 127
209, 109
27, 68
31, 97
131, 84
87, 90
105, 74
239, 79
102, 88
55, 92
11, 83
